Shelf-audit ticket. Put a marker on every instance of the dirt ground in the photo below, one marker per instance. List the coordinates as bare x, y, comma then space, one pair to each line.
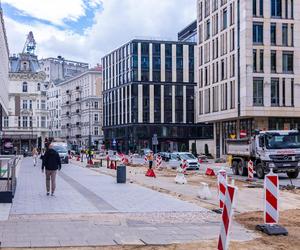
290, 219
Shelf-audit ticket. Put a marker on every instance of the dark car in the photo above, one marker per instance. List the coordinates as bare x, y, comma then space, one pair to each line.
165, 156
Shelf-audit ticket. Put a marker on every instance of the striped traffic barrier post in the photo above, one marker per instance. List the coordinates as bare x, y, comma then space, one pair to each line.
222, 184
158, 162
271, 212
227, 215
250, 171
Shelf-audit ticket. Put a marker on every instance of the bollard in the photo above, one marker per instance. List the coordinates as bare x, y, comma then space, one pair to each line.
204, 192
250, 171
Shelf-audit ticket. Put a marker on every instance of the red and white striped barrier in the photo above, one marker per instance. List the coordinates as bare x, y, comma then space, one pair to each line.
227, 217
158, 161
131, 158
145, 160
222, 184
184, 166
271, 213
250, 171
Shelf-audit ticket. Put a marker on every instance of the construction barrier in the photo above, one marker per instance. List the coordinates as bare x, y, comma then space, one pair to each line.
180, 178
145, 160
184, 166
250, 171
158, 161
227, 214
222, 184
271, 213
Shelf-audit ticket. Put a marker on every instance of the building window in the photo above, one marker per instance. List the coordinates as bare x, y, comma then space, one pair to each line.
284, 34
24, 105
273, 33
273, 61
261, 7
96, 105
207, 29
207, 101
5, 122
96, 117
38, 87
261, 60
224, 18
258, 92
43, 104
254, 60
43, 122
258, 35
25, 121
25, 87
232, 94
275, 92
287, 62
276, 9
96, 131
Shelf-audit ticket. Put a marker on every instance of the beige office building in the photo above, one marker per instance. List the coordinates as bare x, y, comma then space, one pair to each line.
248, 75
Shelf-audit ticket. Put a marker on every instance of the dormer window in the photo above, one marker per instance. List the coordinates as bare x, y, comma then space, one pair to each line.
24, 66
25, 87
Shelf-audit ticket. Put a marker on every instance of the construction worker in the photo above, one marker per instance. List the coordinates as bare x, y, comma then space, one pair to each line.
150, 159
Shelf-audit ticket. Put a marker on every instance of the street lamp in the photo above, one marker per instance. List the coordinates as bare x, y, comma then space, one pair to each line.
90, 136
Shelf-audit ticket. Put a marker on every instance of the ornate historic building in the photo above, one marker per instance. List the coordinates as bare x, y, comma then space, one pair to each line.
26, 124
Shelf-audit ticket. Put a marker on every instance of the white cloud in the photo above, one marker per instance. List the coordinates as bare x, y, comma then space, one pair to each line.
118, 22
54, 11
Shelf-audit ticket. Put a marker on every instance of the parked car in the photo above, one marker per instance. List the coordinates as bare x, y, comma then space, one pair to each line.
177, 157
145, 151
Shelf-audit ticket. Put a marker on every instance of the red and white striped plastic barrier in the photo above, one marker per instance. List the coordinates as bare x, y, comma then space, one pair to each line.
145, 159
271, 213
222, 184
158, 161
131, 158
184, 166
227, 217
250, 170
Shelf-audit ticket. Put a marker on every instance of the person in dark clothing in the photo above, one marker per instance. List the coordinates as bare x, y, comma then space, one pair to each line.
52, 163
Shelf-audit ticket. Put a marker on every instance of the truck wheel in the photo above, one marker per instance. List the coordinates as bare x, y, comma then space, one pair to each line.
242, 170
259, 169
293, 175
234, 168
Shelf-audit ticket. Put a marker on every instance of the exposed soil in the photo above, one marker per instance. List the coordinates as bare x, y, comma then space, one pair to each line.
290, 219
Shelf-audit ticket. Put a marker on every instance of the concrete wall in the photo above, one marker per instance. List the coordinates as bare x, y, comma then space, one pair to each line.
200, 145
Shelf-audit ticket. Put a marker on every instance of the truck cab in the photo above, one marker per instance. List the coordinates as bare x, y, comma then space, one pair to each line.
277, 149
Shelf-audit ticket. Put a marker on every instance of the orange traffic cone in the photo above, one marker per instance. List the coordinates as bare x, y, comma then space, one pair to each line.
210, 172
150, 173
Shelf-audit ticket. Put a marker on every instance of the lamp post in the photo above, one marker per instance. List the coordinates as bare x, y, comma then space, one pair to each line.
90, 136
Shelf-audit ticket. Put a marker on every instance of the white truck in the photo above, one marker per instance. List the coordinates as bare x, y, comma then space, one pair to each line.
277, 149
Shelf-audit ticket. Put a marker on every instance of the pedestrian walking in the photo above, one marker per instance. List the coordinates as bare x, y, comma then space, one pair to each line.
150, 159
35, 154
52, 163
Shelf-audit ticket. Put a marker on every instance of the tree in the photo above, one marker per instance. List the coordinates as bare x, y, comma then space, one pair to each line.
182, 148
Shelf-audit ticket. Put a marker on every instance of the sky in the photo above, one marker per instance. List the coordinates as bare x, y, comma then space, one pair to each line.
86, 30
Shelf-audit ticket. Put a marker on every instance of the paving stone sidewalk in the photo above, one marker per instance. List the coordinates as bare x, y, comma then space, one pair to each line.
90, 209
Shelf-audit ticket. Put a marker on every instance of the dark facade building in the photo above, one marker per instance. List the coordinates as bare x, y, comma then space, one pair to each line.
148, 90
189, 33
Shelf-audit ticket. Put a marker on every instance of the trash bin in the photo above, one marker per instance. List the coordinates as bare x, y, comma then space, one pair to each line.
121, 174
